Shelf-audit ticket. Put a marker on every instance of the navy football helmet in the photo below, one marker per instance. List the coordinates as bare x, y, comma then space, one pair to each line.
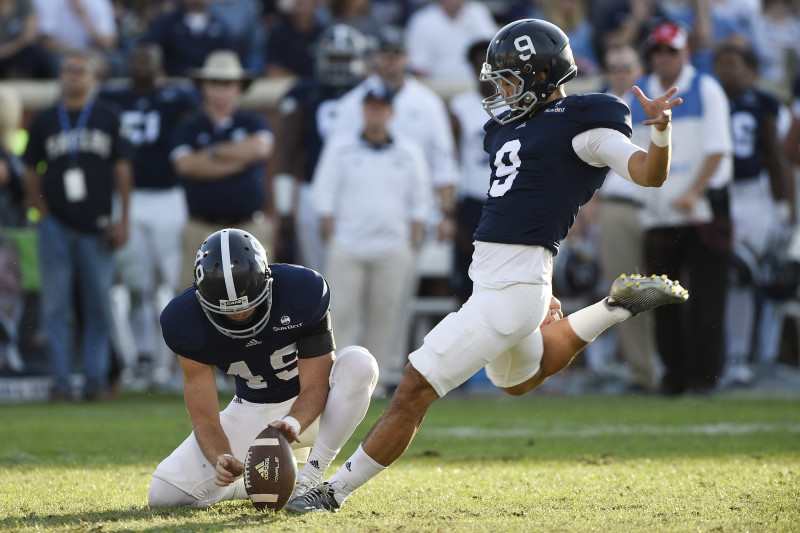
340, 53
531, 54
232, 276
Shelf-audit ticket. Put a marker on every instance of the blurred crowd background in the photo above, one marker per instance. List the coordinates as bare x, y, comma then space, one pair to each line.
162, 121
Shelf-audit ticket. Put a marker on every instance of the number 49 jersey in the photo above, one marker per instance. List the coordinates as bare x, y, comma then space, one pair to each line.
264, 366
538, 182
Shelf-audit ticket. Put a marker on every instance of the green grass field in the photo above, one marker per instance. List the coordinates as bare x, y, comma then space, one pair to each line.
538, 463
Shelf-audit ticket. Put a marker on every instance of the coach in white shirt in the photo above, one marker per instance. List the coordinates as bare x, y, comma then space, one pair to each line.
419, 115
373, 195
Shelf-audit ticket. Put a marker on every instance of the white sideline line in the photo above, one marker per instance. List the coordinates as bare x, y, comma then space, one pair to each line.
724, 428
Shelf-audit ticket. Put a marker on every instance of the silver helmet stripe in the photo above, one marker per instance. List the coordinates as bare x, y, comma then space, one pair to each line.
226, 265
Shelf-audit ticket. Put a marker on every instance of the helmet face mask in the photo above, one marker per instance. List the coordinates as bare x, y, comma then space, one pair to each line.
500, 101
232, 277
340, 53
532, 55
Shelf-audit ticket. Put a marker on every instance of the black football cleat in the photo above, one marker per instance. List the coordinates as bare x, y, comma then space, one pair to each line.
638, 293
319, 499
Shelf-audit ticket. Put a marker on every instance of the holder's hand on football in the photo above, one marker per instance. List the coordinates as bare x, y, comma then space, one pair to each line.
228, 469
288, 430
659, 109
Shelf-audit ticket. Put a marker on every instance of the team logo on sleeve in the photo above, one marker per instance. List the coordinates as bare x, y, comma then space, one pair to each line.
286, 324
556, 108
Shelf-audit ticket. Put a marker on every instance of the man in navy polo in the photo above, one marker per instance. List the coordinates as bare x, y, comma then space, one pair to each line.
86, 160
220, 154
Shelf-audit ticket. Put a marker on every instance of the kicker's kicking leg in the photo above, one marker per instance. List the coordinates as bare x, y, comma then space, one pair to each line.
564, 339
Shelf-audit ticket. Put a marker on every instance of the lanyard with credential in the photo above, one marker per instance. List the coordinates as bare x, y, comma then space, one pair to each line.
74, 135
75, 189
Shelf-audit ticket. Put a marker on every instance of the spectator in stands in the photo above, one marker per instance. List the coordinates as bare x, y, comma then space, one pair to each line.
149, 263
570, 16
12, 208
754, 114
618, 212
187, 35
306, 112
778, 34
76, 24
468, 118
243, 20
289, 44
439, 34
86, 160
628, 22
220, 154
419, 114
392, 12
687, 220
20, 56
373, 194
355, 13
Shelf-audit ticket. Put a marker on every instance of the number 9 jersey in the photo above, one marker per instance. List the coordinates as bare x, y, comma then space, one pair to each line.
538, 182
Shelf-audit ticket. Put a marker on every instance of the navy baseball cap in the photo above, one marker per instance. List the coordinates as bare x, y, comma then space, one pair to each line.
379, 93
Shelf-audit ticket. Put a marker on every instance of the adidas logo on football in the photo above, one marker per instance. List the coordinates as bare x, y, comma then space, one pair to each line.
314, 463
253, 342
347, 466
263, 468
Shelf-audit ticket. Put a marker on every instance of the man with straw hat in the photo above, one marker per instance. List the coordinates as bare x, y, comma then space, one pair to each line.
220, 155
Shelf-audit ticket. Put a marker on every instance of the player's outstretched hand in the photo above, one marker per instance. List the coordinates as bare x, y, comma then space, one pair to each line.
228, 469
288, 431
659, 109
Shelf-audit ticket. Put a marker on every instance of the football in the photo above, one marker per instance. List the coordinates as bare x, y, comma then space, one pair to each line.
270, 470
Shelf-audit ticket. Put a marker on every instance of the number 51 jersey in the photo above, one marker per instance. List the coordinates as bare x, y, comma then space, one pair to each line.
538, 182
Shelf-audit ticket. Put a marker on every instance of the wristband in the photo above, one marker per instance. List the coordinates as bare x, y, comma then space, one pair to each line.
283, 193
660, 138
292, 421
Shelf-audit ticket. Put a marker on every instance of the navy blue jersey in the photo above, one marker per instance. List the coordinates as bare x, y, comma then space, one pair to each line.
538, 182
235, 197
264, 366
148, 122
748, 113
100, 145
318, 104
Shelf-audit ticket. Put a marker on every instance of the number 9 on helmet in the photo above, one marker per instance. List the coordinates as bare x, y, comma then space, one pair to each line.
233, 282
534, 57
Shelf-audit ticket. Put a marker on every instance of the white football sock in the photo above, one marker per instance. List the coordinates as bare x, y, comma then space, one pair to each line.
353, 378
318, 462
356, 471
589, 322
